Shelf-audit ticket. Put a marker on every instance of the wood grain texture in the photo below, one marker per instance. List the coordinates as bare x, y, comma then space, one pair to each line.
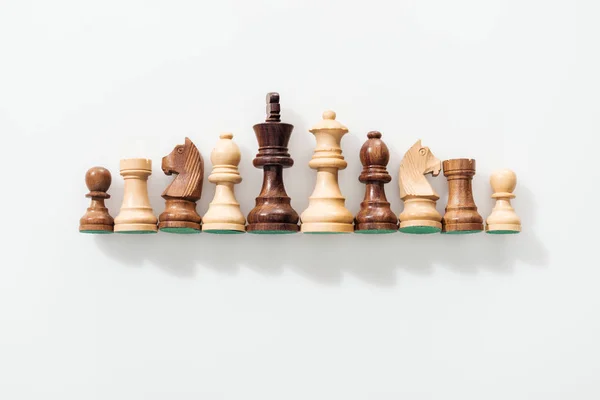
97, 219
375, 215
326, 212
224, 214
273, 212
461, 212
180, 215
136, 215
419, 214
503, 219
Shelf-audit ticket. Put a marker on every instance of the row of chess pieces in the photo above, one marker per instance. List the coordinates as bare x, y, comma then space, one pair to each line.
273, 213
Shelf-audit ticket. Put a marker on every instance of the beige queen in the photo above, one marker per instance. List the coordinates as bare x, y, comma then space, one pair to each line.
326, 212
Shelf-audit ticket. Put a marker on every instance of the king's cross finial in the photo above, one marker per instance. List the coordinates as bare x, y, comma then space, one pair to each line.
273, 107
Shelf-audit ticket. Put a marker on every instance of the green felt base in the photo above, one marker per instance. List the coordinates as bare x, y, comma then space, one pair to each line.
375, 231
502, 232
223, 231
420, 230
272, 232
461, 232
97, 232
137, 232
182, 231
325, 233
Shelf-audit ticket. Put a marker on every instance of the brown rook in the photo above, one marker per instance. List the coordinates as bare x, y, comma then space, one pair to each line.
461, 212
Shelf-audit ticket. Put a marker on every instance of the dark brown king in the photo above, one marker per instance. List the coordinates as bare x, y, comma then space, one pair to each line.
375, 215
273, 212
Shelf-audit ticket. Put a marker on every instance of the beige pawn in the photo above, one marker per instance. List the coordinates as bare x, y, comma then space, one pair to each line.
136, 214
419, 215
224, 214
326, 212
503, 219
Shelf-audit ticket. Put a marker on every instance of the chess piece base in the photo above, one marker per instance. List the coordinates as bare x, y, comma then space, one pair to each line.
223, 232
376, 228
181, 231
420, 223
179, 214
420, 213
223, 228
500, 229
419, 229
96, 229
267, 228
172, 228
179, 226
462, 228
136, 228
96, 218
326, 227
375, 231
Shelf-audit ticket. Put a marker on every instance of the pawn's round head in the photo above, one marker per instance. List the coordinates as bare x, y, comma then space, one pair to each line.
98, 179
503, 180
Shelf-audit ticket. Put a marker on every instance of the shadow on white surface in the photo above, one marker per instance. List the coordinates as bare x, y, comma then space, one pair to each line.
374, 259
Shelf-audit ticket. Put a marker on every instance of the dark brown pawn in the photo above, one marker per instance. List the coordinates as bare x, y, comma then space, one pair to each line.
461, 212
97, 219
273, 212
375, 215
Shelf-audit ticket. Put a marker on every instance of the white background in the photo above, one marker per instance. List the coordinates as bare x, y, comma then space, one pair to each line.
510, 83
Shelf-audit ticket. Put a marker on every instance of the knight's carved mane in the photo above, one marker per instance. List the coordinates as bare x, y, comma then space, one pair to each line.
188, 182
412, 179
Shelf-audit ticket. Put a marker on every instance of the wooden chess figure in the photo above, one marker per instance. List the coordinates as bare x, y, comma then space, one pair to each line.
184, 191
97, 219
461, 212
503, 219
273, 212
419, 215
375, 215
136, 215
326, 212
224, 214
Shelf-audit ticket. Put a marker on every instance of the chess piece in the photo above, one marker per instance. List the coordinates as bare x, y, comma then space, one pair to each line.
503, 218
224, 214
184, 191
461, 212
326, 212
273, 212
419, 215
375, 215
97, 219
136, 214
